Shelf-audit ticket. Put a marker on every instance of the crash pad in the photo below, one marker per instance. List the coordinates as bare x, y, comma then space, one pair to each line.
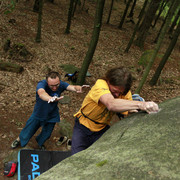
32, 163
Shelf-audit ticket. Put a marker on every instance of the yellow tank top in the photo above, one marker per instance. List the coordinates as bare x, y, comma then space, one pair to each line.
95, 110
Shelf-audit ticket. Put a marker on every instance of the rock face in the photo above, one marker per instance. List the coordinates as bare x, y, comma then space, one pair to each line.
142, 146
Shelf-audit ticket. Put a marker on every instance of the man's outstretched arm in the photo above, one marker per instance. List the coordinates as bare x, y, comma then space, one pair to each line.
121, 105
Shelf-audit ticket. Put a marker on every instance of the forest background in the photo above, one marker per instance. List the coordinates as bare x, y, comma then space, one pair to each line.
31, 59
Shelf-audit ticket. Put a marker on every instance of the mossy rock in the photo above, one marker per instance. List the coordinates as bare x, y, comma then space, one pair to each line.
65, 100
141, 146
66, 128
70, 68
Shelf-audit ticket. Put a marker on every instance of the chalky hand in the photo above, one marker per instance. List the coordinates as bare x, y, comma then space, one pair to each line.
55, 98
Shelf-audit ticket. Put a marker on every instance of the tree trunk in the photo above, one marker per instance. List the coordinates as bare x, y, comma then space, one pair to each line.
11, 67
109, 16
166, 56
124, 14
161, 9
83, 4
160, 40
131, 14
136, 27
51, 1
174, 23
38, 35
36, 6
144, 7
146, 24
93, 43
74, 9
155, 41
67, 31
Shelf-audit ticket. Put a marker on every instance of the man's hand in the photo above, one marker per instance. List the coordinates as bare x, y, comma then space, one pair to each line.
149, 107
80, 88
77, 88
55, 98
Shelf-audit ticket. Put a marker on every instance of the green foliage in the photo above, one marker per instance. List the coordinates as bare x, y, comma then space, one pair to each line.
68, 46
98, 25
166, 9
72, 48
20, 45
86, 31
10, 6
175, 15
102, 163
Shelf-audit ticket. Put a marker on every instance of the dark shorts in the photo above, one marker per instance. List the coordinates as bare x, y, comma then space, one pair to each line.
83, 137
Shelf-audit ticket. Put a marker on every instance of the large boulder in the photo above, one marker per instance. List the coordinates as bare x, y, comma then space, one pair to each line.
142, 146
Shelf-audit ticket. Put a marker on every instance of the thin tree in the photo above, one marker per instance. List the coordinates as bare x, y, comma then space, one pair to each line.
166, 56
93, 43
67, 31
131, 14
38, 35
142, 12
110, 11
174, 22
83, 4
146, 23
155, 41
158, 45
36, 6
74, 7
136, 27
124, 14
51, 1
161, 9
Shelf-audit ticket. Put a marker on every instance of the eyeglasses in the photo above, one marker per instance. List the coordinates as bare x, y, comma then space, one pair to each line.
56, 85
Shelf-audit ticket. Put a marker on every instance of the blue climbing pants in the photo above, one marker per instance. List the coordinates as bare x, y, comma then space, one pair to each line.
32, 125
83, 137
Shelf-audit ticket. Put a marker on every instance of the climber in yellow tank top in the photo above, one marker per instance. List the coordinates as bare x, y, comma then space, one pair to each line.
108, 96
95, 110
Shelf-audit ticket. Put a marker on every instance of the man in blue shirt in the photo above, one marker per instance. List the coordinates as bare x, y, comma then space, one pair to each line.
46, 111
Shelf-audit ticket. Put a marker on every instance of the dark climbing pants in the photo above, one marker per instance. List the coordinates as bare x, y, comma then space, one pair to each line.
83, 138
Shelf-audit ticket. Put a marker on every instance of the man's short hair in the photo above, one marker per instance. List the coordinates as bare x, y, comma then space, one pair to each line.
53, 75
120, 77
